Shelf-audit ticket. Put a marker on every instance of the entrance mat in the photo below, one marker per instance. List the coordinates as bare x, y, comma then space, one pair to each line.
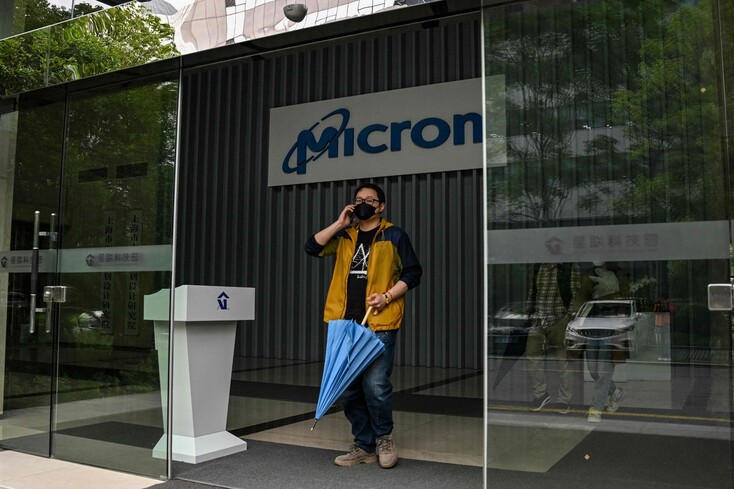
637, 459
35, 444
135, 435
266, 464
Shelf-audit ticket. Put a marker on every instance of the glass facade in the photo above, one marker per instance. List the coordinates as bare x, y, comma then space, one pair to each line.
251, 233
19, 16
81, 372
42, 44
607, 219
123, 37
608, 216
30, 183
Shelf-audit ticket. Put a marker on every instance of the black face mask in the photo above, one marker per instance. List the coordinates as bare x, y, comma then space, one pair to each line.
364, 211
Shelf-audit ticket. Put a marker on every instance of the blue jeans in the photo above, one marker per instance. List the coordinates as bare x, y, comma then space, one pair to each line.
367, 402
662, 336
601, 368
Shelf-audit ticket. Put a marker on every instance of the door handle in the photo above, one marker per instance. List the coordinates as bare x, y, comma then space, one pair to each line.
52, 294
48, 298
34, 271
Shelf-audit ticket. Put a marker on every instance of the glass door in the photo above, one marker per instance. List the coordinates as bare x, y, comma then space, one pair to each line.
608, 220
84, 384
115, 248
30, 163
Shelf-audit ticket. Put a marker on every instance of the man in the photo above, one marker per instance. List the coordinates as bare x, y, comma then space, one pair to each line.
375, 266
604, 281
553, 292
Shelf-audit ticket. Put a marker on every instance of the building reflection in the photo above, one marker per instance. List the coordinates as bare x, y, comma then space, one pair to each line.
176, 27
206, 24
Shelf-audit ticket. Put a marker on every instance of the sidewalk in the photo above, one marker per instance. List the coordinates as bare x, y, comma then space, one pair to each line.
22, 471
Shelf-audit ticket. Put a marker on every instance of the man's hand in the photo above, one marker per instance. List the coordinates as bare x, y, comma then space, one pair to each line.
377, 302
345, 218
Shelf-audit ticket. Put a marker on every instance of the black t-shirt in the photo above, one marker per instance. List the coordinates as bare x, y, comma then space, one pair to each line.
357, 281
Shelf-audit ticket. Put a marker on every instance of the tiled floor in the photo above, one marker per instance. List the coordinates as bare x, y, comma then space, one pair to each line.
21, 471
512, 431
419, 436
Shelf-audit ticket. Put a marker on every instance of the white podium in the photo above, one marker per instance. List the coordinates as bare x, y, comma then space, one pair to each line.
205, 322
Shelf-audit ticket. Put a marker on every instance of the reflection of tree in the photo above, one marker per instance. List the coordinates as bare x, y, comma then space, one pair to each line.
541, 205
669, 108
105, 41
108, 130
29, 15
111, 130
598, 194
612, 107
670, 114
540, 96
37, 160
34, 14
132, 126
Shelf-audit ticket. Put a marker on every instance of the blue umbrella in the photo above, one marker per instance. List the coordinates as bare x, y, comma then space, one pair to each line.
350, 348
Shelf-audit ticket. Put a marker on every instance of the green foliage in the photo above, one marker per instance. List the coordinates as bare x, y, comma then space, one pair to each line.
107, 40
561, 66
35, 14
21, 62
671, 116
649, 67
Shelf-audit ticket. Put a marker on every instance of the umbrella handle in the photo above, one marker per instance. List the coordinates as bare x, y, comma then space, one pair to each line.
364, 320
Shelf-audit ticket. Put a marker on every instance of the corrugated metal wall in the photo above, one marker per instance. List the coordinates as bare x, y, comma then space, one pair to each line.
235, 230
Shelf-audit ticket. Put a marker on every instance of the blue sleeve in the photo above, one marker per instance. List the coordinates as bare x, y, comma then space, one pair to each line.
312, 247
412, 270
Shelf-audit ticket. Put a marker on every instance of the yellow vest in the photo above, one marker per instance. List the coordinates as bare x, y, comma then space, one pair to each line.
383, 270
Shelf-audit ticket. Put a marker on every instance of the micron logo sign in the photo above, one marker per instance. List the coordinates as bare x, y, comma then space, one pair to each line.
332, 135
408, 131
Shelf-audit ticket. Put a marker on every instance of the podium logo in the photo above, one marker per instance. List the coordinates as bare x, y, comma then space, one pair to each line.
222, 301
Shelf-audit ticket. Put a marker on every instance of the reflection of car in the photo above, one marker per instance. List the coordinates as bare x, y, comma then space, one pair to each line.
14, 300
612, 321
509, 323
88, 320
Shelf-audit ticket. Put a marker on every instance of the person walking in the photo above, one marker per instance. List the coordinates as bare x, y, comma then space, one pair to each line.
604, 281
375, 266
553, 291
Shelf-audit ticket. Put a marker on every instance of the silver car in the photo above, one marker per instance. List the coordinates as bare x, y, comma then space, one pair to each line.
14, 300
611, 321
509, 326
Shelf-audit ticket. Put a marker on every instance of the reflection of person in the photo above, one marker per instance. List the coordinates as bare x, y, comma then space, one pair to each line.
603, 281
375, 266
663, 310
553, 290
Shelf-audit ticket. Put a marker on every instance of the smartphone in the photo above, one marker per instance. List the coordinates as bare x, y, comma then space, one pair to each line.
352, 219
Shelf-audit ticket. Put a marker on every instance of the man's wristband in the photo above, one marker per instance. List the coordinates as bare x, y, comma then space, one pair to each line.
388, 297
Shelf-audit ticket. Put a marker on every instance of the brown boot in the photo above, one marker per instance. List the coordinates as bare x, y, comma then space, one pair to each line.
387, 452
355, 456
